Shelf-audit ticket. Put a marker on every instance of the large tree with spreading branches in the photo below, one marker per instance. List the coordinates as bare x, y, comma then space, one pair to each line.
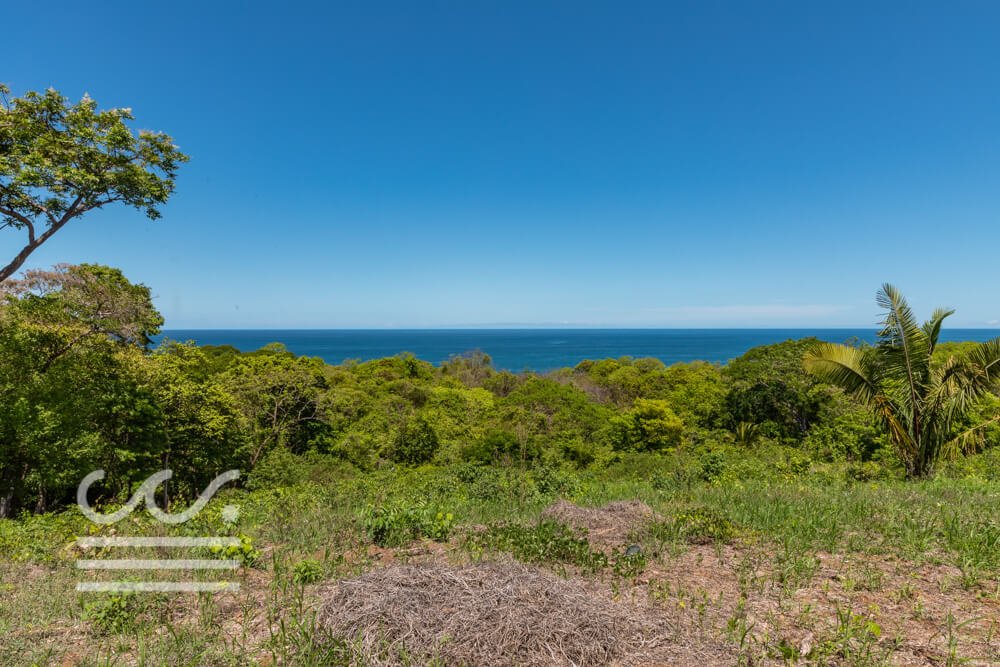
60, 160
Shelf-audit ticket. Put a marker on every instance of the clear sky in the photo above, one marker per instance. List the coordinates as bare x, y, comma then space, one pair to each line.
372, 164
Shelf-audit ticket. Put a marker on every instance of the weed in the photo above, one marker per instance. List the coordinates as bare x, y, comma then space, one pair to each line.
630, 565
545, 542
244, 552
307, 572
700, 525
395, 524
113, 614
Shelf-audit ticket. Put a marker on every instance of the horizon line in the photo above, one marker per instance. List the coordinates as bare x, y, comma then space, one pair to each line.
545, 327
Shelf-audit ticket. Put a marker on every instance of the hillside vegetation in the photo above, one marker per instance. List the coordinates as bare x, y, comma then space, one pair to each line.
635, 513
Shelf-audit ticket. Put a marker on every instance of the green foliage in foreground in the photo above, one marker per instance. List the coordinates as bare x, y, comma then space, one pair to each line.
395, 524
545, 541
921, 401
321, 527
952, 517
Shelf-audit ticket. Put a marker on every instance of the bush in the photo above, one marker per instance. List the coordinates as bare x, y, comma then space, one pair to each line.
555, 481
545, 542
281, 468
649, 426
114, 614
307, 572
393, 525
244, 552
504, 485
700, 525
493, 447
415, 443
866, 471
852, 436
713, 464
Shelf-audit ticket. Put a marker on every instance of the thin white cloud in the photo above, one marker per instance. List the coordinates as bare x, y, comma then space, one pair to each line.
770, 311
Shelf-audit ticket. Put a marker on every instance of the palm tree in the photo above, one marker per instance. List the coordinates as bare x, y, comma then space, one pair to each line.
920, 400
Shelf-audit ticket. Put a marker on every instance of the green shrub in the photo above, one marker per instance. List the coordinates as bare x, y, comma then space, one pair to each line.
545, 542
651, 425
503, 485
700, 525
395, 524
113, 614
415, 443
493, 447
244, 552
307, 572
630, 565
713, 464
865, 471
281, 468
555, 481
40, 538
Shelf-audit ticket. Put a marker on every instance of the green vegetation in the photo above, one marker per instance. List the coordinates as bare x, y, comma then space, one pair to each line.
59, 161
546, 541
82, 390
775, 465
919, 399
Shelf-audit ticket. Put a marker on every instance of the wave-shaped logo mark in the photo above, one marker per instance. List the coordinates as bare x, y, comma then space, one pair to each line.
147, 493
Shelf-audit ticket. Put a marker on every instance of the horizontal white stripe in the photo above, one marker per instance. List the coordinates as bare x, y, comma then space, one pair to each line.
157, 564
156, 587
88, 542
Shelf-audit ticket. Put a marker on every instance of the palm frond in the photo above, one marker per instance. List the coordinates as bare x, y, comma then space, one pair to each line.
932, 327
987, 357
969, 440
957, 385
905, 352
849, 368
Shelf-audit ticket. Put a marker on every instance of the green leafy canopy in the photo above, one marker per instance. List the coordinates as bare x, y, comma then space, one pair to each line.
60, 160
920, 399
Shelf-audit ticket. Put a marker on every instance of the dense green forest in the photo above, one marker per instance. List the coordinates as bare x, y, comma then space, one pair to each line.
83, 389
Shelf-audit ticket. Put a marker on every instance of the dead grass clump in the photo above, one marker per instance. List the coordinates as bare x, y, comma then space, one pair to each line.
489, 613
610, 525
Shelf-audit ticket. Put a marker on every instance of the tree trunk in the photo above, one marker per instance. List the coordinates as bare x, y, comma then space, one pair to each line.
40, 503
166, 483
15, 264
7, 499
7, 503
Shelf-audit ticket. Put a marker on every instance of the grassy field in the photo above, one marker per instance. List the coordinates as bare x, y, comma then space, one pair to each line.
781, 566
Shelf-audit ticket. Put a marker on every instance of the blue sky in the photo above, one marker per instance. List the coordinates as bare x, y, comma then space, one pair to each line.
420, 164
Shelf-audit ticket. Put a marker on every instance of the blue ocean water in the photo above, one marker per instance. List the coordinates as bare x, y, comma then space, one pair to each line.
530, 349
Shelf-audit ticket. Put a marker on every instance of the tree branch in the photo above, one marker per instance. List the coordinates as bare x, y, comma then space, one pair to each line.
27, 222
34, 243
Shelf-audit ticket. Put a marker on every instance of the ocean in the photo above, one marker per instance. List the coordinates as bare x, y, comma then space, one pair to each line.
530, 349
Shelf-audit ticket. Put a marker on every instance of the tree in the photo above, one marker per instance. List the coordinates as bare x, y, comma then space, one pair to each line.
769, 388
72, 395
649, 426
920, 401
99, 299
415, 443
201, 434
278, 395
60, 160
